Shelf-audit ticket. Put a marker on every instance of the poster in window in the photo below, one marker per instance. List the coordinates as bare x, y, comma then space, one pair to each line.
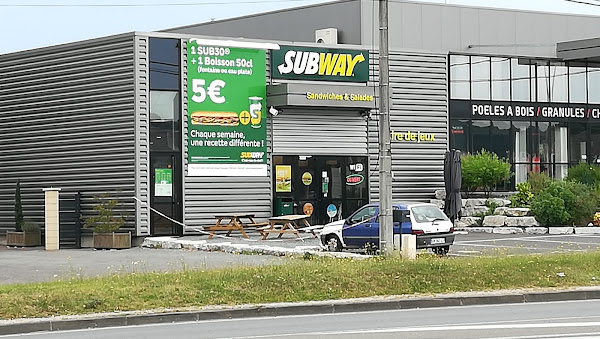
163, 182
283, 178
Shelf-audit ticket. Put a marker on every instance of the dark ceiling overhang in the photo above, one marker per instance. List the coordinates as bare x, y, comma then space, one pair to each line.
587, 49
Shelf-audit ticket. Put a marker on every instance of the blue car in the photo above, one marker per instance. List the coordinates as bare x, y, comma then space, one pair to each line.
360, 230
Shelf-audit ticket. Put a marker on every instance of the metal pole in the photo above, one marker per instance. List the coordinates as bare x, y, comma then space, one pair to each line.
386, 226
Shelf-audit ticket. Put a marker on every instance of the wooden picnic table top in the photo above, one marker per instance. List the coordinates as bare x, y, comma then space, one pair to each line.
224, 216
291, 217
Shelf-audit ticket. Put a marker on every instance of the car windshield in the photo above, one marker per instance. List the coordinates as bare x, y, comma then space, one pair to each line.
427, 213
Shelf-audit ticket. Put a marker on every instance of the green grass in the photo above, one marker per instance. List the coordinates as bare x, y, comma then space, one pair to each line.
300, 280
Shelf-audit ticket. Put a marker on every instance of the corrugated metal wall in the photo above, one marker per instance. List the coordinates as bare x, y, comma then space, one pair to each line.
67, 120
205, 197
315, 132
419, 104
142, 132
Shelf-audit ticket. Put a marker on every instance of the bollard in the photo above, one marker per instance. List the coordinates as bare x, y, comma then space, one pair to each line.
51, 213
409, 246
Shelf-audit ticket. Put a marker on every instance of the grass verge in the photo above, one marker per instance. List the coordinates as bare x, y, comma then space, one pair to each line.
305, 279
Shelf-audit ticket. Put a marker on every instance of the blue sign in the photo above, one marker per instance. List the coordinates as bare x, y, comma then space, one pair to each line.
331, 210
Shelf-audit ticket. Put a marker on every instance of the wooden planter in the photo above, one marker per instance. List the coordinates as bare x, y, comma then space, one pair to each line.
23, 239
112, 240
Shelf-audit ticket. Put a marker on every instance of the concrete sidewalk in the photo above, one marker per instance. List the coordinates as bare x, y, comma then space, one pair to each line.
63, 323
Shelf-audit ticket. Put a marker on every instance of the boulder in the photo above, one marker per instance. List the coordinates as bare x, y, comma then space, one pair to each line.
536, 230
494, 220
517, 212
468, 221
499, 202
474, 202
500, 210
587, 230
478, 229
521, 221
507, 230
560, 230
440, 194
474, 210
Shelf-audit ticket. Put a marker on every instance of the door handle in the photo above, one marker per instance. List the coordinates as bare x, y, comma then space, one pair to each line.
368, 225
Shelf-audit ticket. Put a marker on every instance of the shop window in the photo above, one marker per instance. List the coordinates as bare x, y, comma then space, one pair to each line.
480, 135
459, 132
521, 80
164, 63
577, 143
558, 83
543, 81
500, 139
165, 125
561, 151
577, 84
522, 155
500, 79
594, 84
480, 78
594, 155
459, 77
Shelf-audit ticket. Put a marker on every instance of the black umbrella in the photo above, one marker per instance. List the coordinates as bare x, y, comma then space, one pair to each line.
452, 184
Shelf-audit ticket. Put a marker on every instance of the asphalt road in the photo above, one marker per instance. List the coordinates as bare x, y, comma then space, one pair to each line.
567, 319
477, 244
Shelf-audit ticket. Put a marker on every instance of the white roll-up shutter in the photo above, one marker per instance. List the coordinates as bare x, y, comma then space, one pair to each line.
314, 132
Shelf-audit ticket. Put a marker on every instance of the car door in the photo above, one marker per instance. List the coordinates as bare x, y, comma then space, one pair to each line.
361, 227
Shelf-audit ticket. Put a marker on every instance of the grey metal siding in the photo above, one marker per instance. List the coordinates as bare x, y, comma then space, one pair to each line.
67, 120
418, 104
205, 197
142, 132
314, 132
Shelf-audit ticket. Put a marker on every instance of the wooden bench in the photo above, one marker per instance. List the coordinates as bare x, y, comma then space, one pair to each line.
285, 224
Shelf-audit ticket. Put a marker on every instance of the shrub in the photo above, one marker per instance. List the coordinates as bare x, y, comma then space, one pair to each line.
30, 226
585, 174
523, 197
549, 210
18, 209
564, 202
538, 181
483, 170
105, 221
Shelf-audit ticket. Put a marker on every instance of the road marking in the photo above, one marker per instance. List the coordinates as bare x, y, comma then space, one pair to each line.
498, 246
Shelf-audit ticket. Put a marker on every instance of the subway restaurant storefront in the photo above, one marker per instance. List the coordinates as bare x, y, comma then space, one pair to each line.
541, 115
320, 144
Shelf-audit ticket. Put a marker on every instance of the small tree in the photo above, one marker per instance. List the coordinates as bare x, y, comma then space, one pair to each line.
105, 220
18, 209
585, 174
483, 170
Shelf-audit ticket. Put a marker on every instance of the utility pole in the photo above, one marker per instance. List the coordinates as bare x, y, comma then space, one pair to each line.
386, 223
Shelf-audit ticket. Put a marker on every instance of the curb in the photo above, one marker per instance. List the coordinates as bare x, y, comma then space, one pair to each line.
282, 309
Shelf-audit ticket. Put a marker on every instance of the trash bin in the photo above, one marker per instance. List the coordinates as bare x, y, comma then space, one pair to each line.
284, 205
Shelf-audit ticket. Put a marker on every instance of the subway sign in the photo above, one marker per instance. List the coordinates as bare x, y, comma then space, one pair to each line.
327, 64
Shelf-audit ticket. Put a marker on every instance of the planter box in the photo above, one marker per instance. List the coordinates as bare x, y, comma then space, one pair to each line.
23, 239
112, 240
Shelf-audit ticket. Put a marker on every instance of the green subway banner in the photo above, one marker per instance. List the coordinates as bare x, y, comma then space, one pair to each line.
327, 64
226, 111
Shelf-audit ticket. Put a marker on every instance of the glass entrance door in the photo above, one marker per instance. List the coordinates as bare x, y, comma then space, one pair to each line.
165, 194
326, 187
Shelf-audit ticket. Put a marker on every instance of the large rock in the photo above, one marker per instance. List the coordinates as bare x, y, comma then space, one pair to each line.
474, 202
494, 220
474, 210
500, 210
517, 212
468, 221
587, 230
560, 230
507, 230
477, 229
440, 194
521, 221
499, 202
439, 203
536, 230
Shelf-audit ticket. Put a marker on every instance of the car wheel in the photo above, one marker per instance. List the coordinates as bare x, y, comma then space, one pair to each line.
333, 243
441, 250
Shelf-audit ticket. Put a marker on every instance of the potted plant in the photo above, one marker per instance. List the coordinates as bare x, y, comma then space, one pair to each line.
106, 224
26, 233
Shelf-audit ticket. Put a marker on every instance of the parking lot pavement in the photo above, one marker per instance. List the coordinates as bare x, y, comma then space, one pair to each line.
478, 244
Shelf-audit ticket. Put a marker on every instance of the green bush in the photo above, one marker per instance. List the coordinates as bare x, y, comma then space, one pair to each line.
523, 197
585, 174
565, 202
483, 170
105, 220
538, 181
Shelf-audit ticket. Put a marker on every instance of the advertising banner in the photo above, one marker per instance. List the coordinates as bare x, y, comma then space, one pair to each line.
163, 182
226, 111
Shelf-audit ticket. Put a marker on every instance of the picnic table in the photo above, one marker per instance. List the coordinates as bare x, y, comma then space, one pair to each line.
288, 224
232, 223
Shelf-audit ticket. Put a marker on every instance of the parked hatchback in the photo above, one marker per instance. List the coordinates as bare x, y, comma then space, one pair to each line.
360, 230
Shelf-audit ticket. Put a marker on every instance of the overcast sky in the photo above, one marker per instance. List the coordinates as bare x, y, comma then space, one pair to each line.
27, 24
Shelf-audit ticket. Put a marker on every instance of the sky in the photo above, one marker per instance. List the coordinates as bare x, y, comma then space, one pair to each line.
27, 24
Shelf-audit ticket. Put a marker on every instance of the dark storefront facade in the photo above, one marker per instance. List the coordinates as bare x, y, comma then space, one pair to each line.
542, 115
